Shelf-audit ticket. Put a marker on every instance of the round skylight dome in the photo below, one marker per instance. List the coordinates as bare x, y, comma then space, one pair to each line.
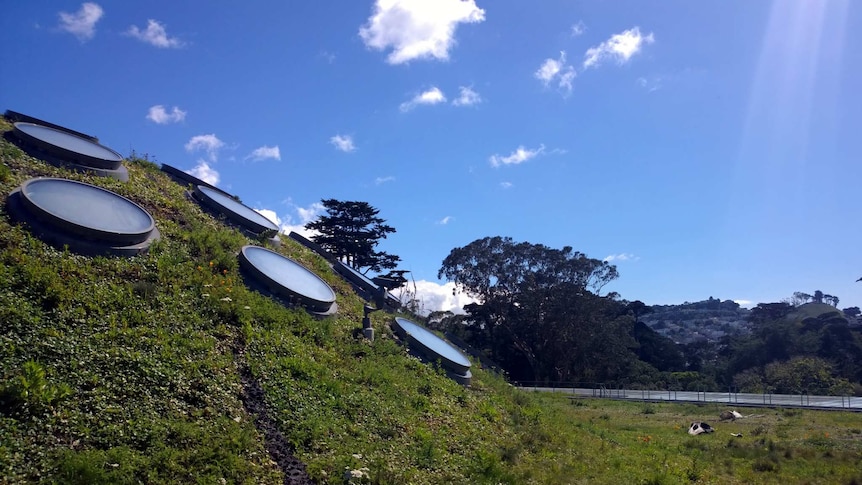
87, 218
234, 211
431, 346
186, 179
287, 278
364, 283
65, 148
68, 146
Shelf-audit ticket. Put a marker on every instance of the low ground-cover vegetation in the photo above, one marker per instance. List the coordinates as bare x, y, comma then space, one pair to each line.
118, 370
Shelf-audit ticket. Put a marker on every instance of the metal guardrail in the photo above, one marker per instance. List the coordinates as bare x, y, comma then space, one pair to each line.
847, 403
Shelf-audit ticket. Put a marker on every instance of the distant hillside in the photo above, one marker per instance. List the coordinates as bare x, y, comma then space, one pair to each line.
818, 311
707, 320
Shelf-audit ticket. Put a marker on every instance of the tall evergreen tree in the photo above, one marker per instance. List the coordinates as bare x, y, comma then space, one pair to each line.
351, 231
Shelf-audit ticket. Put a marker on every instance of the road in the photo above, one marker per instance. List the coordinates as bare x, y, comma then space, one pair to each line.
741, 399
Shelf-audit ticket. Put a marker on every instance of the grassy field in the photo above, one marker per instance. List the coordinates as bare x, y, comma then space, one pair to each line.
140, 370
631, 442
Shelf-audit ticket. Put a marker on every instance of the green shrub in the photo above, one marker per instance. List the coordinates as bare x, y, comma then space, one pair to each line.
31, 391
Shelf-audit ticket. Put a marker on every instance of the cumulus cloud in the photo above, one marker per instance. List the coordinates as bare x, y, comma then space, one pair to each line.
429, 97
208, 143
550, 68
159, 115
264, 153
310, 213
579, 28
296, 221
343, 143
620, 47
556, 70
383, 180
304, 215
204, 172
82, 24
520, 155
467, 97
620, 257
433, 296
445, 220
155, 34
417, 29
271, 215
566, 79
506, 185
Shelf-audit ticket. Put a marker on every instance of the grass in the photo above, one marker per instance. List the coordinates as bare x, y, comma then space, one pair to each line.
617, 442
121, 370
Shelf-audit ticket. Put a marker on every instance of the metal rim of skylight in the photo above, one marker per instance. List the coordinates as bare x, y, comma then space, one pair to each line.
459, 368
47, 214
260, 226
20, 130
315, 305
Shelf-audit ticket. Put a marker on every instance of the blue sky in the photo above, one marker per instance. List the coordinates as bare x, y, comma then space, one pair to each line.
706, 148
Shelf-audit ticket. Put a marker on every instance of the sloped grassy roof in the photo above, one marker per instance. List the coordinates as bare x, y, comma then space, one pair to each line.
127, 370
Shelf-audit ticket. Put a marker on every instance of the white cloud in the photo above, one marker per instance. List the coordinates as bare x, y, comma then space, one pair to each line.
159, 115
620, 47
566, 79
271, 215
304, 215
467, 97
209, 143
445, 220
295, 223
557, 70
329, 56
621, 257
550, 68
579, 28
506, 185
155, 34
417, 29
383, 180
343, 143
204, 172
263, 153
653, 84
520, 155
82, 24
745, 303
429, 97
433, 296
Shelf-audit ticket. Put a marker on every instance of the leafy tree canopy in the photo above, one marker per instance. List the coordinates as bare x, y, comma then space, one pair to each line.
351, 231
499, 267
536, 308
